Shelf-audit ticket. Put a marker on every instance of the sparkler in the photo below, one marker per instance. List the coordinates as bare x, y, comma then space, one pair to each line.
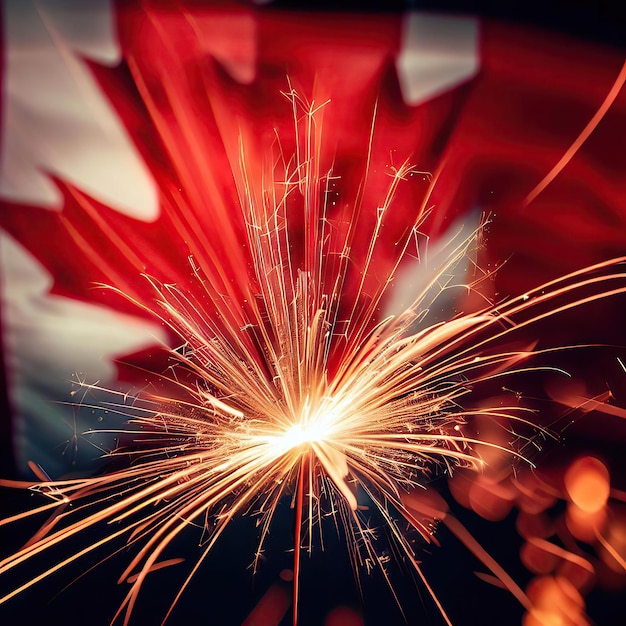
290, 384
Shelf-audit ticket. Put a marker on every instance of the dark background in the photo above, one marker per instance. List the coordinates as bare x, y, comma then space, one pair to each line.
603, 21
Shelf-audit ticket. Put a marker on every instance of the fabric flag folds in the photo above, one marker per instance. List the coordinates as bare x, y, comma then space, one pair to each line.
120, 157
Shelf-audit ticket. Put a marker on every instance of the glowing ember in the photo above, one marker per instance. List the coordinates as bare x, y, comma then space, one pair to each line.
587, 484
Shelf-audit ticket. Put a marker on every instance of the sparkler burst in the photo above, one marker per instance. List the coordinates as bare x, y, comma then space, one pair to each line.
291, 385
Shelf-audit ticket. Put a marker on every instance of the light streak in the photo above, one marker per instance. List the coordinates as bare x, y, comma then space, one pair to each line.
290, 385
584, 135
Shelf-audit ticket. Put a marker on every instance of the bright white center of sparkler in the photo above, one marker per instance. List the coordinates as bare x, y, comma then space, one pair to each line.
300, 434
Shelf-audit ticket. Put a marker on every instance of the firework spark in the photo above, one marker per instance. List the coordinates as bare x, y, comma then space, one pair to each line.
290, 384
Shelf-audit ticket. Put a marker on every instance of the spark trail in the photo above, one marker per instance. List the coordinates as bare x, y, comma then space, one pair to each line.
291, 385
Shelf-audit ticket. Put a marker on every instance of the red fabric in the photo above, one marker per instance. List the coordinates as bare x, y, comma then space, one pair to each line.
493, 139
195, 76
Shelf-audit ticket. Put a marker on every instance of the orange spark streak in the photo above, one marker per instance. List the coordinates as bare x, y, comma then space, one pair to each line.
584, 135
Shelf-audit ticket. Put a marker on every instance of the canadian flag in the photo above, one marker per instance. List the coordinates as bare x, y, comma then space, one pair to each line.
119, 138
